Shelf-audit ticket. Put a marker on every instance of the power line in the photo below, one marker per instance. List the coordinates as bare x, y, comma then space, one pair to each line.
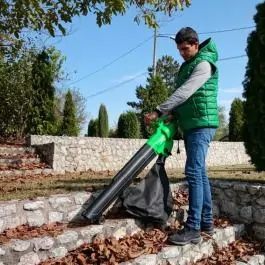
121, 56
113, 61
216, 31
135, 77
115, 86
143, 42
233, 57
226, 30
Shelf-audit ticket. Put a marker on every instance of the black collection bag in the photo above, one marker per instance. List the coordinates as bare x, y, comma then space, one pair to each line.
150, 200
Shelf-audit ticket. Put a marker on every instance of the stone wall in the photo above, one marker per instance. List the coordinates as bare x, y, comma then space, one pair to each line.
63, 208
242, 202
75, 154
57, 208
34, 250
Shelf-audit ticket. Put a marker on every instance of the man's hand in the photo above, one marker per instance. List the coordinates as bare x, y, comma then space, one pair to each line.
149, 117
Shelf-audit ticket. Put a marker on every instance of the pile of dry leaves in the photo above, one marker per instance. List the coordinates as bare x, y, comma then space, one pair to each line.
239, 250
12, 141
24, 166
112, 251
24, 155
180, 198
25, 232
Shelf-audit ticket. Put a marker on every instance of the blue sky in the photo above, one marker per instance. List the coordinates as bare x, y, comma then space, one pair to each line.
89, 47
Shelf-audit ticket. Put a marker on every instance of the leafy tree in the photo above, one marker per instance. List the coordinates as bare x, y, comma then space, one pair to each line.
254, 92
69, 125
128, 126
168, 69
157, 89
42, 118
113, 133
21, 91
92, 130
236, 120
222, 130
53, 16
79, 102
153, 94
103, 122
15, 95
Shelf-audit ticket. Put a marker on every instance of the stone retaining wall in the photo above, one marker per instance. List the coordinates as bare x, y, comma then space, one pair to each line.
242, 202
31, 252
75, 154
56, 208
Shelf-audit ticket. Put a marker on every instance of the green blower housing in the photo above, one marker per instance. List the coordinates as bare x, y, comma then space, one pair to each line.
162, 140
160, 143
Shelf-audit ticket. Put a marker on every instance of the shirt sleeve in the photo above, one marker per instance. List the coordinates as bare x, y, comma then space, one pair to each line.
200, 75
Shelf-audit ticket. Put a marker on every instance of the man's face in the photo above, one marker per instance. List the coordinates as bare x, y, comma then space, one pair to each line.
188, 51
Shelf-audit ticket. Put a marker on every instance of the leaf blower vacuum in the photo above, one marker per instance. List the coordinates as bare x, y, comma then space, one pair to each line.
160, 143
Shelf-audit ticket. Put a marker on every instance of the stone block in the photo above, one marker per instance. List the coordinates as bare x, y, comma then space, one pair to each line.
261, 201
58, 252
7, 209
67, 237
55, 217
82, 197
246, 214
169, 252
89, 232
146, 260
44, 243
61, 204
259, 215
35, 218
2, 252
32, 206
30, 258
20, 245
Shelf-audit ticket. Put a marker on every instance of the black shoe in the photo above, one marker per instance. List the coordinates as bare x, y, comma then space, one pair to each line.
185, 236
209, 230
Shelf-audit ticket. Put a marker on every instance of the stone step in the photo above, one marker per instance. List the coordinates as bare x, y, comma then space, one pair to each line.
63, 208
185, 255
36, 171
32, 251
154, 259
18, 161
16, 150
27, 252
255, 260
66, 208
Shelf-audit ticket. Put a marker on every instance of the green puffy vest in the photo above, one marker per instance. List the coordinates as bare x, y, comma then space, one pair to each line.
201, 109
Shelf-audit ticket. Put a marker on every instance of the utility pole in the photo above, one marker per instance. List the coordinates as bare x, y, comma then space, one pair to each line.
154, 52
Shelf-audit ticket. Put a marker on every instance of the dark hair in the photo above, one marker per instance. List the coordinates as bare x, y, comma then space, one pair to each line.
187, 34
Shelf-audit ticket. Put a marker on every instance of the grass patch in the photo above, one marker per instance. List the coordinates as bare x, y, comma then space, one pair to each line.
29, 187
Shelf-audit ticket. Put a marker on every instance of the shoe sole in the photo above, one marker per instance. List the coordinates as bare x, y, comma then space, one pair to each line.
193, 241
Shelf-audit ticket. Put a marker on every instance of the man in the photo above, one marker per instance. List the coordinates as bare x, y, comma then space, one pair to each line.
194, 103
